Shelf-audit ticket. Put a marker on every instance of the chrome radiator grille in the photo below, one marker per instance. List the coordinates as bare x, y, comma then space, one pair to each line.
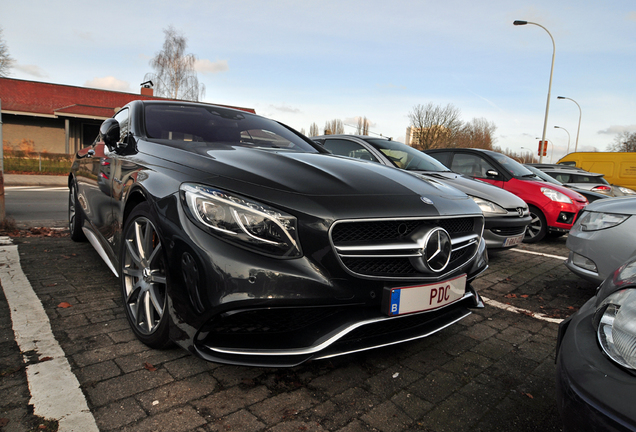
396, 248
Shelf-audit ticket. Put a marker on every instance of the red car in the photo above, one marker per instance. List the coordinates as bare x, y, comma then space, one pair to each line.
553, 208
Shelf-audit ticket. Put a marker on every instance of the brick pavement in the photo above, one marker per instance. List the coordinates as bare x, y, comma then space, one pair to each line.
493, 371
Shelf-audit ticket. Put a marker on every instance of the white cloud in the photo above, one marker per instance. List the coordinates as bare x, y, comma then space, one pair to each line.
617, 129
206, 66
286, 109
109, 83
32, 70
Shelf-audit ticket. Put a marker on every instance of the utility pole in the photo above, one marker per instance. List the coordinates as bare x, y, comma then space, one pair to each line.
2, 210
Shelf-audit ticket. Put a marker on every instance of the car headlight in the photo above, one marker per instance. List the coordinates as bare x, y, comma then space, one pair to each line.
243, 221
615, 320
626, 191
555, 195
594, 221
488, 207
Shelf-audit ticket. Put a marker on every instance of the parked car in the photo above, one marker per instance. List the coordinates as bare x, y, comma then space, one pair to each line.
617, 167
246, 243
553, 208
588, 194
596, 359
603, 237
506, 215
581, 179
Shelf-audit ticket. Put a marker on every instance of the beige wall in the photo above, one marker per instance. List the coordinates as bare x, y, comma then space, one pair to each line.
47, 134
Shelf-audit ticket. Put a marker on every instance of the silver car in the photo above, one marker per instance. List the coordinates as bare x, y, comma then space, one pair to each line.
581, 179
506, 215
603, 238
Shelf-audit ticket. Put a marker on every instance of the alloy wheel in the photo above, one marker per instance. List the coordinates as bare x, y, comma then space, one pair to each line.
144, 276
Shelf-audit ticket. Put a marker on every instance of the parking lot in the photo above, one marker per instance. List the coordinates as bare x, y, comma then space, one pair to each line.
493, 371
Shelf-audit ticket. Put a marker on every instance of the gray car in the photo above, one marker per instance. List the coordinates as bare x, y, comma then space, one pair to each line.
603, 238
581, 179
506, 215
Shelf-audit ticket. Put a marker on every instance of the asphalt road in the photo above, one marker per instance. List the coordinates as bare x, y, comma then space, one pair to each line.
493, 371
37, 206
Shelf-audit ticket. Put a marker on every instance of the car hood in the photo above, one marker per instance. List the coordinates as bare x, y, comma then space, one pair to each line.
477, 188
318, 183
623, 205
309, 173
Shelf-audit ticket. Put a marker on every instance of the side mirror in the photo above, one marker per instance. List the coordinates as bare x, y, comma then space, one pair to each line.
492, 173
109, 132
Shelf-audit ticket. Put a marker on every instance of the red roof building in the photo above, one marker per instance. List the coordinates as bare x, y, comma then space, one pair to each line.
58, 118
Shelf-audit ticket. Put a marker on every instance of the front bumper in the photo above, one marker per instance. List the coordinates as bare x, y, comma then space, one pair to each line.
287, 337
504, 231
231, 305
593, 392
561, 216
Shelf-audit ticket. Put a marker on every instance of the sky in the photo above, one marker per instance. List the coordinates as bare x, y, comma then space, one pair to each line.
304, 62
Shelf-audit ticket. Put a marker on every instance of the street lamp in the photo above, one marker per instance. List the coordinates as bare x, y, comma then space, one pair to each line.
576, 146
547, 104
566, 131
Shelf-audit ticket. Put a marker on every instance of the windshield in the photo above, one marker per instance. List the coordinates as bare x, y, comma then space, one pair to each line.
183, 125
543, 176
405, 157
511, 165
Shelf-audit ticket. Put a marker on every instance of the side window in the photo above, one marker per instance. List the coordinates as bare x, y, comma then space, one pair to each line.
563, 178
443, 157
348, 148
471, 165
123, 118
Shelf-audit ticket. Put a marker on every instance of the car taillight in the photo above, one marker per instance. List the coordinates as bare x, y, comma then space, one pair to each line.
601, 189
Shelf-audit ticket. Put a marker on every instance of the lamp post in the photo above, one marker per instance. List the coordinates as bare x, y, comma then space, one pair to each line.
566, 131
547, 104
576, 145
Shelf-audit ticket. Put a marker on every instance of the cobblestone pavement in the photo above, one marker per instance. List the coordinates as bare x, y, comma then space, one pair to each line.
493, 371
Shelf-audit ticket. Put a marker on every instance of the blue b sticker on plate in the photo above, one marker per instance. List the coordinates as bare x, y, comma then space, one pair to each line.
395, 302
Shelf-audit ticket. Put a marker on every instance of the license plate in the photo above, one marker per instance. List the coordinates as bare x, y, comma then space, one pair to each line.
418, 298
511, 241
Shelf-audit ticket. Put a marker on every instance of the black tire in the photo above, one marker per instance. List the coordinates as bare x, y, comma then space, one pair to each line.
538, 227
75, 215
144, 279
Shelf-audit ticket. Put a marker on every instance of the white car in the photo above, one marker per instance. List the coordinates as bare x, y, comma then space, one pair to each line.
603, 238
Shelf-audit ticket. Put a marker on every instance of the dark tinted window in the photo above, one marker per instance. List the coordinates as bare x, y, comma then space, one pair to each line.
511, 165
183, 125
443, 157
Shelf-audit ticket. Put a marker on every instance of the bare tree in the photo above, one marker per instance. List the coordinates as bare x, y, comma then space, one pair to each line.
5, 60
302, 131
434, 126
363, 126
174, 75
479, 133
334, 127
313, 130
624, 142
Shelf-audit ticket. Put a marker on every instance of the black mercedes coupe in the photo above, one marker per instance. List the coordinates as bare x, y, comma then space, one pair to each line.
246, 243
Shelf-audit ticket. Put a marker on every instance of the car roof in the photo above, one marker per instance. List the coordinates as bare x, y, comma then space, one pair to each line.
362, 137
564, 168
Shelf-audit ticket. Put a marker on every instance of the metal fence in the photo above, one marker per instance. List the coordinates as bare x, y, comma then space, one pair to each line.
19, 161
